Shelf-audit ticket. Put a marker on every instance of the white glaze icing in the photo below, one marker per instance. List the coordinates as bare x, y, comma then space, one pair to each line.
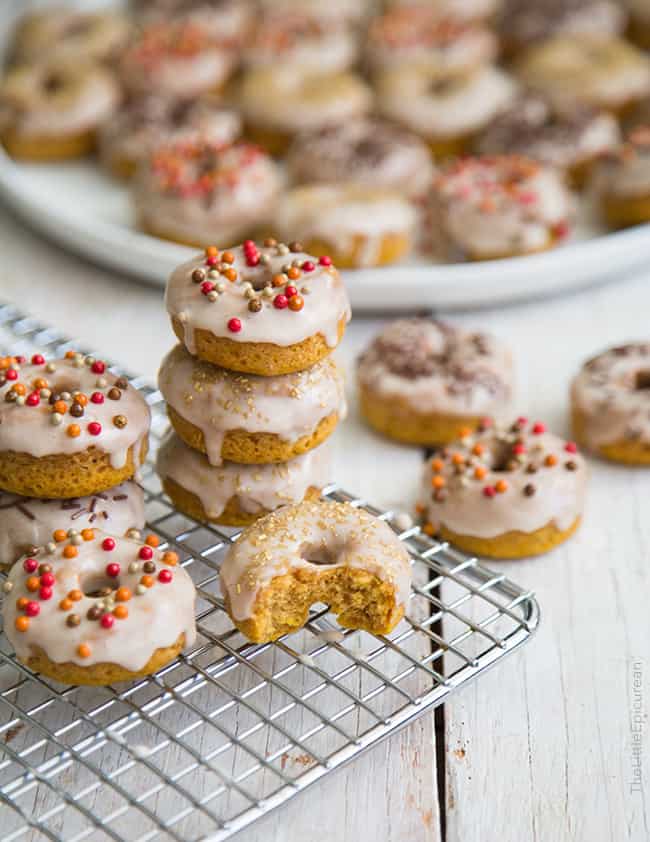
523, 23
336, 214
416, 98
368, 153
71, 34
603, 72
626, 172
505, 205
349, 10
438, 368
55, 98
301, 43
257, 488
552, 494
463, 10
178, 59
417, 35
283, 541
26, 522
219, 401
325, 301
204, 192
156, 618
140, 126
280, 99
227, 21
32, 429
612, 392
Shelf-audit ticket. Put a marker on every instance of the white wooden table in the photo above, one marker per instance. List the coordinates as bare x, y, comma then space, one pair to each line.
541, 748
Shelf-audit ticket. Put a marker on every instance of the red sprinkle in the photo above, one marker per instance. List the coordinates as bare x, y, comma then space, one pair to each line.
94, 428
234, 325
33, 399
308, 266
98, 367
489, 491
113, 569
30, 565
11, 374
38, 359
108, 544
324, 261
290, 291
280, 302
252, 259
249, 245
519, 449
20, 360
32, 609
97, 397
45, 593
206, 287
47, 579
212, 260
146, 553
539, 428
107, 621
571, 447
522, 421
165, 576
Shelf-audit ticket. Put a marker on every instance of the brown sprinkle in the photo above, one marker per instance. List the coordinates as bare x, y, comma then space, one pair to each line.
529, 490
120, 421
198, 275
295, 247
254, 305
72, 620
94, 612
571, 465
122, 383
114, 393
149, 567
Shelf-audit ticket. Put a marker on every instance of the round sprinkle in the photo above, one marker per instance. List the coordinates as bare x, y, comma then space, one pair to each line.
539, 428
122, 594
121, 612
75, 595
280, 302
296, 303
120, 421
198, 276
550, 460
254, 305
234, 325
88, 534
21, 624
165, 576
113, 570
73, 430
94, 428
529, 489
501, 486
489, 491
84, 651
32, 609
73, 620
98, 367
147, 581
94, 612
33, 584
108, 544
571, 447
65, 604
30, 565
325, 260
97, 397
146, 553
170, 558
107, 621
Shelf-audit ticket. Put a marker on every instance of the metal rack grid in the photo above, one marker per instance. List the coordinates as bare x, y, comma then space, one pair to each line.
231, 729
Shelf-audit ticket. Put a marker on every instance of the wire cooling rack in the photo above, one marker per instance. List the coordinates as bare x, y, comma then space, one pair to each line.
231, 730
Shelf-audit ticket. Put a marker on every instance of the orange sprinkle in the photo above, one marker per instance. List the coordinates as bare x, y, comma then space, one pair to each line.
293, 273
40, 383
88, 534
80, 398
21, 602
480, 472
65, 604
419, 508
170, 558
19, 389
463, 432
60, 406
278, 280
5, 362
437, 465
458, 458
83, 650
501, 486
428, 529
478, 449
70, 551
70, 355
121, 612
550, 460
211, 251
122, 594
73, 431
296, 303
33, 583
227, 257
75, 595
438, 482
230, 275
21, 624
59, 535
152, 540
147, 581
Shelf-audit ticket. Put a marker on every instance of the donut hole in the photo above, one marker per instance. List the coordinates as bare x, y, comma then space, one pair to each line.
642, 380
321, 555
98, 585
502, 459
53, 83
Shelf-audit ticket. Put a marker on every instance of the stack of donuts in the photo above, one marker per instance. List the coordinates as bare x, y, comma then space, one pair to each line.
252, 392
87, 600
347, 124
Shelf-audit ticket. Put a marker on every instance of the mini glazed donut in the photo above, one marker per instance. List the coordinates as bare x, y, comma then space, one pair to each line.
495, 207
571, 141
610, 404
369, 153
421, 381
639, 29
315, 552
68, 428
176, 59
301, 43
277, 104
229, 21
460, 10
356, 226
94, 608
622, 182
447, 113
233, 494
145, 123
246, 418
522, 23
51, 110
418, 35
197, 192
268, 310
505, 493
73, 34
606, 73
27, 523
